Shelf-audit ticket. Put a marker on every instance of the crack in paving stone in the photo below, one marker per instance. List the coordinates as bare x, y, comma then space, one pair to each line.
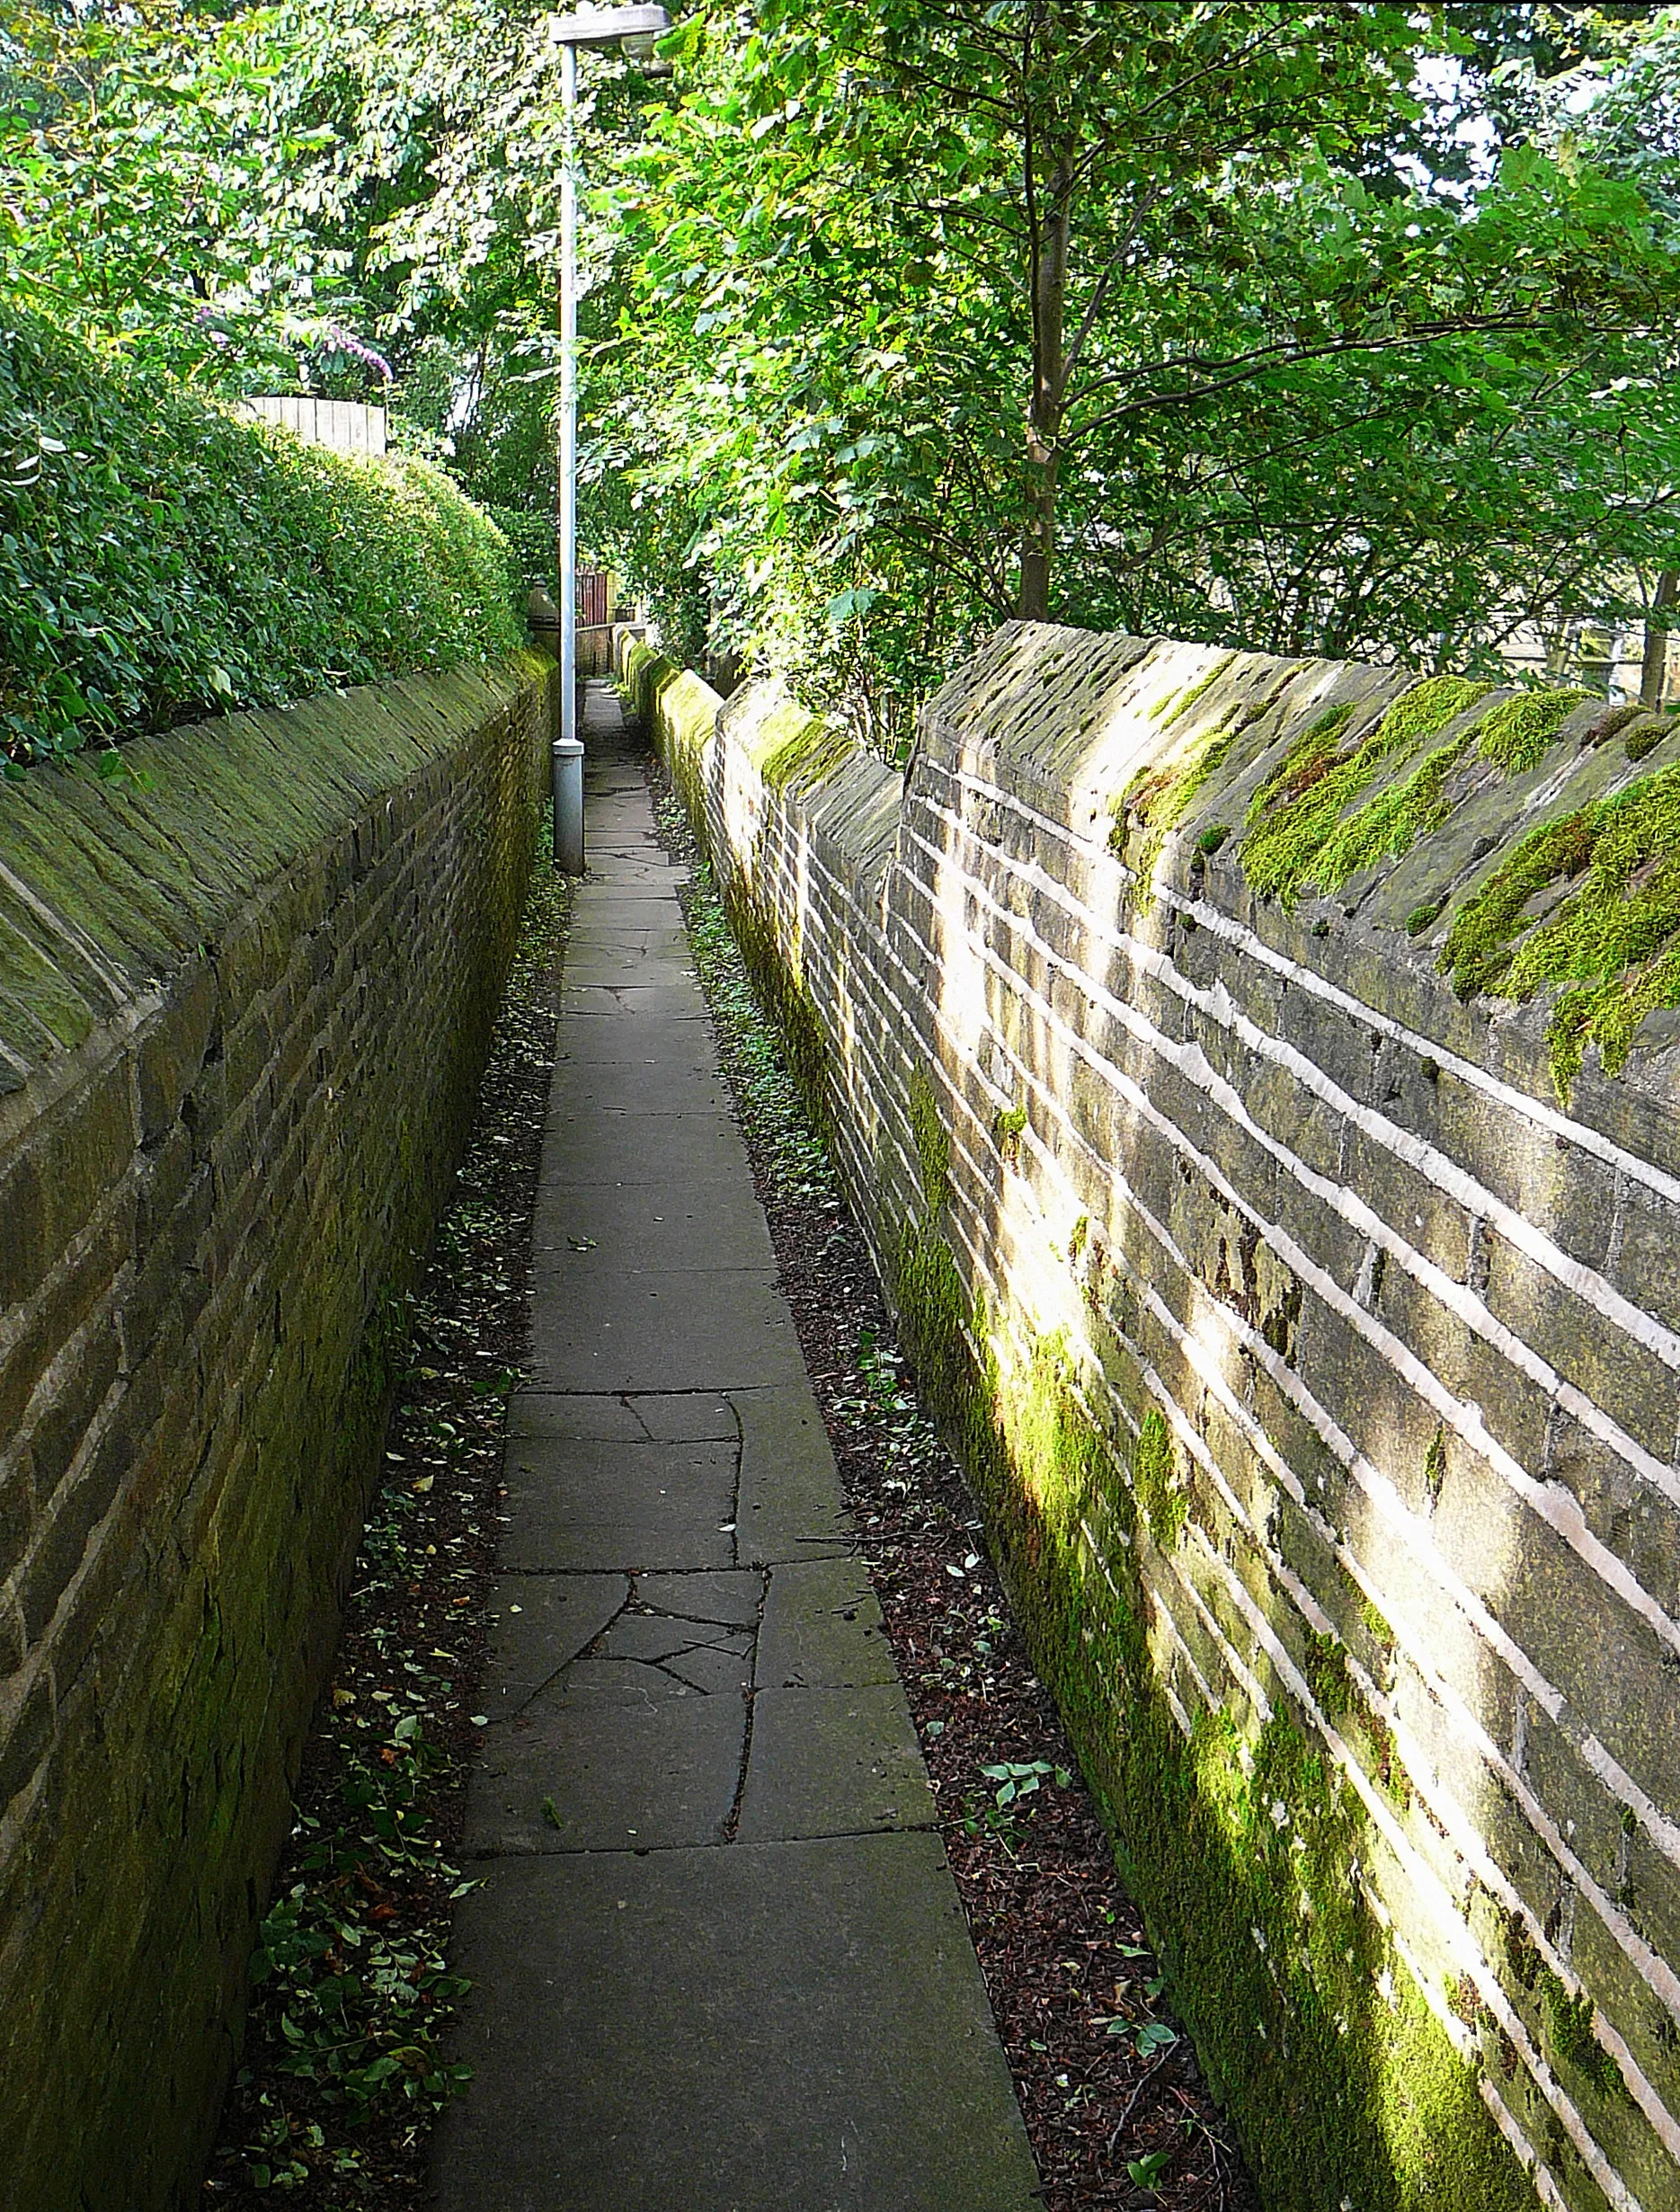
732, 1824
549, 1680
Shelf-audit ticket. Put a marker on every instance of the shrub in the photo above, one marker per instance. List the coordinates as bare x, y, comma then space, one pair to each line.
162, 559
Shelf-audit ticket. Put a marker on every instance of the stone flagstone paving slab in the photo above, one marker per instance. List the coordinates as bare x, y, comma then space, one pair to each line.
717, 1958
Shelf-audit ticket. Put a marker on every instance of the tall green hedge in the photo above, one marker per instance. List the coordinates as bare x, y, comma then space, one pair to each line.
162, 559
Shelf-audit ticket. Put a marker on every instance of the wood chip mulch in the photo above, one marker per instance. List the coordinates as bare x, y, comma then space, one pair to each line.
1114, 2101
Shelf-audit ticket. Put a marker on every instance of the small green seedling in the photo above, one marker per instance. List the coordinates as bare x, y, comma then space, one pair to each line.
1018, 1778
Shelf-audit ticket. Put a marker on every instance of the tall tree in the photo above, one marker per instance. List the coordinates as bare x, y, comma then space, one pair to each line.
1025, 308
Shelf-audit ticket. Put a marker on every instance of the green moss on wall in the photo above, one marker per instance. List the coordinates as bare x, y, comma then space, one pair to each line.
1326, 1673
1391, 822
789, 1003
1297, 836
1377, 1625
813, 750
1644, 733
1008, 1127
1613, 937
1158, 797
1516, 734
933, 1144
1435, 1464
1240, 1844
1570, 2031
1155, 1480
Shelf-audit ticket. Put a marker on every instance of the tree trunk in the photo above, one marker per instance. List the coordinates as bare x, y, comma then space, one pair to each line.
1044, 420
1654, 666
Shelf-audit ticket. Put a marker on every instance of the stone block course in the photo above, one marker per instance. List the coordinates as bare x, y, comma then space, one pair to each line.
1322, 1211
289, 917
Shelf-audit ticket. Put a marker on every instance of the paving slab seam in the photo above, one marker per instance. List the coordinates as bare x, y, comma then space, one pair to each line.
654, 1850
697, 1390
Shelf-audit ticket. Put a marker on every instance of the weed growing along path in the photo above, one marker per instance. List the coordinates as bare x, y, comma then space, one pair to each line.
1114, 2101
342, 2072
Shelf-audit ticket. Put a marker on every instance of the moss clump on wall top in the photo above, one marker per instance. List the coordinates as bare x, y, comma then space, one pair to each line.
1516, 734
1613, 933
163, 560
1157, 796
813, 750
1297, 835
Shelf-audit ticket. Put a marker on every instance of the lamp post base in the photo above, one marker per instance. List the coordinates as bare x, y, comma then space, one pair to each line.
568, 801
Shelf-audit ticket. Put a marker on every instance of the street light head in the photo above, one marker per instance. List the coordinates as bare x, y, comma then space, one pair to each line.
632, 27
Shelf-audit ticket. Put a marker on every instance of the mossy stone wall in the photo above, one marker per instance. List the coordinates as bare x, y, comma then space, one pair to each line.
1258, 1080
246, 994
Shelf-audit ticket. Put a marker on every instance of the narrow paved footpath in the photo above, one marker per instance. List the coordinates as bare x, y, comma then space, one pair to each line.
718, 1960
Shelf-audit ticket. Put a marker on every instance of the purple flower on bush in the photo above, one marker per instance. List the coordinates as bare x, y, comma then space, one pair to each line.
340, 340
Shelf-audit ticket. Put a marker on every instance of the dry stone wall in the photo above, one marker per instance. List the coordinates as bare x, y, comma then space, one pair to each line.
245, 993
1256, 1078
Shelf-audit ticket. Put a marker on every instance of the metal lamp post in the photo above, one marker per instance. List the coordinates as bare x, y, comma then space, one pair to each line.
586, 26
